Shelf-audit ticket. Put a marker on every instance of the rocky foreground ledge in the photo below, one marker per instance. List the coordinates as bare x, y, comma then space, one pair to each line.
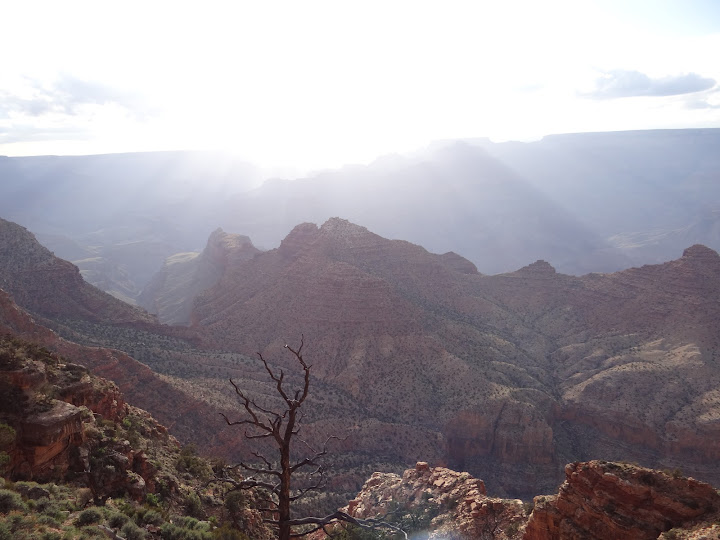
598, 500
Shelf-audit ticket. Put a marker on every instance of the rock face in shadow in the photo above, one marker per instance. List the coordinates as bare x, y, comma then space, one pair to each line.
601, 500
171, 292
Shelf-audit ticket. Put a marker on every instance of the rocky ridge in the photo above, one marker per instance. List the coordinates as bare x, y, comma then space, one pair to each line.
508, 376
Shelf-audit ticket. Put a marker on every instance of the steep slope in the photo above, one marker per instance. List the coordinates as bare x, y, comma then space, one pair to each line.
510, 375
52, 287
185, 275
189, 418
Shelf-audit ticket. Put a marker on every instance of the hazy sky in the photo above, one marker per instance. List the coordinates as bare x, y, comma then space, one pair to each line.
316, 83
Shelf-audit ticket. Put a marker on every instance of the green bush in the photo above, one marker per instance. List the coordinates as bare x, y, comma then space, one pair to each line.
88, 517
191, 463
194, 507
5, 531
235, 501
117, 520
9, 501
171, 531
149, 517
7, 435
47, 507
132, 532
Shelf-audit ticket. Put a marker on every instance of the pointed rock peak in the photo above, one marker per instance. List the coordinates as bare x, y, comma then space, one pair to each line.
458, 263
700, 253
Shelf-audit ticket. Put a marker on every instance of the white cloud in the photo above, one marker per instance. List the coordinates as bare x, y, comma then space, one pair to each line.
328, 81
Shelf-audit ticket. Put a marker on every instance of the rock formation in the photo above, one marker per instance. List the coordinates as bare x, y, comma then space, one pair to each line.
601, 500
171, 292
439, 501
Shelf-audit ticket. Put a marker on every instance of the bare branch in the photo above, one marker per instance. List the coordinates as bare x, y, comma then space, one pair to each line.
260, 471
264, 459
282, 426
368, 523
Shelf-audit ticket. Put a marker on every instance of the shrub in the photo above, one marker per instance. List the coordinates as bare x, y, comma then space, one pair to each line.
170, 531
235, 501
5, 532
228, 533
117, 520
132, 532
7, 435
151, 517
88, 517
194, 506
9, 501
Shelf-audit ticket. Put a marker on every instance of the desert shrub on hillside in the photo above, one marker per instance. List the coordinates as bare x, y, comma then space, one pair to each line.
130, 531
89, 516
10, 500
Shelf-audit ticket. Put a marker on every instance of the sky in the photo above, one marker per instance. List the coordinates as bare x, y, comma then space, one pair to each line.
316, 84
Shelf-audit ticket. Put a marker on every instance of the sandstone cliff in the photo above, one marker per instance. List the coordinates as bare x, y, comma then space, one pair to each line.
601, 500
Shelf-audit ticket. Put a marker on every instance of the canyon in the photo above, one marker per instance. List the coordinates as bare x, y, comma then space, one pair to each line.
419, 357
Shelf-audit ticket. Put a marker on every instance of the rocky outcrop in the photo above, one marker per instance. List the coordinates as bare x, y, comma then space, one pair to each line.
598, 501
601, 500
67, 422
445, 503
45, 441
47, 403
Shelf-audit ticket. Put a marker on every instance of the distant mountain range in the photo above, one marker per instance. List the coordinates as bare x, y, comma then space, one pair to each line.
593, 202
418, 356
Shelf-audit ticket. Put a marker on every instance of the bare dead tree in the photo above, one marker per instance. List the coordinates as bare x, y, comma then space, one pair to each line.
281, 428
